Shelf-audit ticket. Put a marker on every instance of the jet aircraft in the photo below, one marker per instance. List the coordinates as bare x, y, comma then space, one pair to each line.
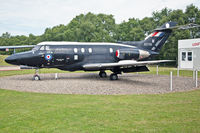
99, 56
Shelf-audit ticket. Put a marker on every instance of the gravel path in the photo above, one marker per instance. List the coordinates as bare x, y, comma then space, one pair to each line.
9, 68
91, 83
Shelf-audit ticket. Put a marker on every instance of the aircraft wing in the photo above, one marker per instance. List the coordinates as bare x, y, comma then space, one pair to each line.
123, 64
16, 47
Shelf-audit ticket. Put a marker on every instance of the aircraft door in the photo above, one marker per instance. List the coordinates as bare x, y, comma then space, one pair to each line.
62, 57
59, 58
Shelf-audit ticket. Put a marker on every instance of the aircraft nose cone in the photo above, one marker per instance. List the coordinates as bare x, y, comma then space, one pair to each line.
11, 60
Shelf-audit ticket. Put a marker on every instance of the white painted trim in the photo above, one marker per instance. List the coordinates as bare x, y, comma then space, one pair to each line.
84, 43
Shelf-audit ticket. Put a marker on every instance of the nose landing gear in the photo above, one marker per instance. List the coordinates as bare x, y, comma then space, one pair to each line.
36, 77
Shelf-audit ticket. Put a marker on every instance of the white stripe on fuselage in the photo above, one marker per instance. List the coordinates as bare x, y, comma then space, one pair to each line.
85, 43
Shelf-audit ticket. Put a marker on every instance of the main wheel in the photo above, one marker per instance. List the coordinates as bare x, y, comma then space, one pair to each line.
36, 77
113, 77
103, 74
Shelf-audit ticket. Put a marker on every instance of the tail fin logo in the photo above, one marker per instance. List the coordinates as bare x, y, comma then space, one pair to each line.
157, 34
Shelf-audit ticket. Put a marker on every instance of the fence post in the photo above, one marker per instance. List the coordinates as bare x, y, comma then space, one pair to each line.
178, 71
171, 82
56, 76
194, 76
196, 84
157, 70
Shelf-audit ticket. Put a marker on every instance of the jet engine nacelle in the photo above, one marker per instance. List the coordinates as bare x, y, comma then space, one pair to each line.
132, 54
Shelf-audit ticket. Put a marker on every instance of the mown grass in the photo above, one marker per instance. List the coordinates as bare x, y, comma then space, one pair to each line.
2, 62
34, 112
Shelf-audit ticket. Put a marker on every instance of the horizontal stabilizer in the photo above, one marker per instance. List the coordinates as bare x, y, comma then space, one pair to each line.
179, 27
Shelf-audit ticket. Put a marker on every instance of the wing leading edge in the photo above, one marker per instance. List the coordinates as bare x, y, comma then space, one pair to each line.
16, 47
123, 64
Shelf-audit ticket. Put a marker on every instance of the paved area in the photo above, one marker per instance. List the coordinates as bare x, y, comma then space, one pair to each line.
91, 83
9, 68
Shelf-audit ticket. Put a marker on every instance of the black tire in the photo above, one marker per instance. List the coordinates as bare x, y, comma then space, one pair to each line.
113, 77
103, 74
36, 77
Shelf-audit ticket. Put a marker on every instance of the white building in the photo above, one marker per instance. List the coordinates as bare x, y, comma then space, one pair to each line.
189, 54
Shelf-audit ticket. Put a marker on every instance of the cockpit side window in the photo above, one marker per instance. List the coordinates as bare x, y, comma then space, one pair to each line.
42, 48
37, 47
47, 47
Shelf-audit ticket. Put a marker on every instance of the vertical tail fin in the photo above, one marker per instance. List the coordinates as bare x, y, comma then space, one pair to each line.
157, 39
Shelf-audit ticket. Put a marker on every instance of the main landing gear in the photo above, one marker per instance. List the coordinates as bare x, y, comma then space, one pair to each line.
113, 76
36, 77
102, 74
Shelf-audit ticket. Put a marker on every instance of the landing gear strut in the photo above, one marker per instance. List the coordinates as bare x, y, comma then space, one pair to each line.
113, 76
102, 74
36, 76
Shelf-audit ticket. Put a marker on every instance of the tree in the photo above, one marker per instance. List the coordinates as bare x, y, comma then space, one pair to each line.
102, 28
6, 35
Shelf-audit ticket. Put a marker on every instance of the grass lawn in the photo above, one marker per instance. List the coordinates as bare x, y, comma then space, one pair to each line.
34, 112
2, 62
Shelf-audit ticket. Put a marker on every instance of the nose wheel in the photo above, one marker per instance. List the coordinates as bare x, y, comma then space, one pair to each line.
36, 77
102, 74
113, 76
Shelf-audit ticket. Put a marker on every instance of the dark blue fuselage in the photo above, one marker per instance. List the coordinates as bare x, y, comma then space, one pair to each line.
72, 57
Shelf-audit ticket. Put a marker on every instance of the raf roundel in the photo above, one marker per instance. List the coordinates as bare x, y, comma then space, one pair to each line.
48, 57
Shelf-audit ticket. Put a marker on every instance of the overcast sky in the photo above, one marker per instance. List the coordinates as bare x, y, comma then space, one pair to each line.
22, 17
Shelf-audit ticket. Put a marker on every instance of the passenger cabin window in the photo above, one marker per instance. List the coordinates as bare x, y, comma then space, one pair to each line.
75, 57
90, 50
189, 56
111, 50
75, 50
82, 50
